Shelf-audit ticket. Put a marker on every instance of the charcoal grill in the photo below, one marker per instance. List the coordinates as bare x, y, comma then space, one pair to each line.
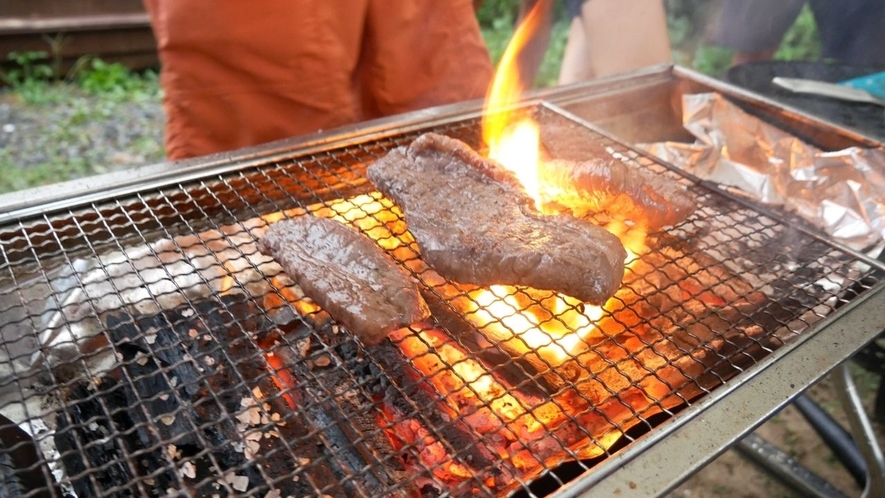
148, 349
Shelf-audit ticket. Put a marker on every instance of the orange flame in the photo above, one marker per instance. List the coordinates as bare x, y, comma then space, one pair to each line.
557, 327
514, 142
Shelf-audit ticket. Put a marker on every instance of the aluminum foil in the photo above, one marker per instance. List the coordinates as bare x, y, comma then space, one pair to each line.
841, 192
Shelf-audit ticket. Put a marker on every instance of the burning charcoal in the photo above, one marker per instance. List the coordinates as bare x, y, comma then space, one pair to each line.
338, 432
165, 395
91, 444
456, 434
518, 370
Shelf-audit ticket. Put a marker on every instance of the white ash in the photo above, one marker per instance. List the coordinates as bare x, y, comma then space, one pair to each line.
252, 448
189, 470
172, 452
252, 413
239, 483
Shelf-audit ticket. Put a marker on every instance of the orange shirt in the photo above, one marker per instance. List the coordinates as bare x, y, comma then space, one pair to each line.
241, 73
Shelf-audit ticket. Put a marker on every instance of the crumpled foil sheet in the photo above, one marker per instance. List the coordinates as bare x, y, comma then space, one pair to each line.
841, 192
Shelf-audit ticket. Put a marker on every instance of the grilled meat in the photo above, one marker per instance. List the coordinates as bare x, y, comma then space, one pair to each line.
586, 179
606, 185
347, 274
475, 224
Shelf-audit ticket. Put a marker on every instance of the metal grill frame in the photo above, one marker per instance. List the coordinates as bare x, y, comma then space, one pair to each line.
644, 468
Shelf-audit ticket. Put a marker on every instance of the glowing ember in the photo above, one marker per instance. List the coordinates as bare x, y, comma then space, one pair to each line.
552, 329
374, 215
227, 283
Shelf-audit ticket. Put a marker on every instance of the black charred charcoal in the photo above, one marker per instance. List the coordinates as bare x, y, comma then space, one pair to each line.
183, 374
93, 445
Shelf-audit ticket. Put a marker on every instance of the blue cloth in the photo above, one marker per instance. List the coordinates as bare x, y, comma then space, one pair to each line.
873, 83
851, 31
574, 7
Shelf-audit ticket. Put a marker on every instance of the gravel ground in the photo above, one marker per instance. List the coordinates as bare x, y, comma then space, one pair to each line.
65, 133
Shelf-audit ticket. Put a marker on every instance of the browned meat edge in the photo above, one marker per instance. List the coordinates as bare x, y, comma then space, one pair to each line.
347, 274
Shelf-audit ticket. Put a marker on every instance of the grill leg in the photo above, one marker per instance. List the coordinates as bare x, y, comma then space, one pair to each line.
862, 431
861, 446
782, 466
879, 410
839, 440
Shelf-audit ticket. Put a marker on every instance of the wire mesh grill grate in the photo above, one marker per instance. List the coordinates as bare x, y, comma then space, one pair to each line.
150, 350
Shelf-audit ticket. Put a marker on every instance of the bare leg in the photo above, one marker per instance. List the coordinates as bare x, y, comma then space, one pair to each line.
621, 35
575, 60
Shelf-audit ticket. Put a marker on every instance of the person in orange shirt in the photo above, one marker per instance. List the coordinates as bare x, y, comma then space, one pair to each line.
237, 73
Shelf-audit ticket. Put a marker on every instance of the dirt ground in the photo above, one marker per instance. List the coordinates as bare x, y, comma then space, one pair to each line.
731, 475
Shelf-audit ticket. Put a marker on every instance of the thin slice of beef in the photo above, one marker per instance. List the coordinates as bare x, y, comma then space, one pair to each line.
347, 274
475, 224
581, 175
606, 185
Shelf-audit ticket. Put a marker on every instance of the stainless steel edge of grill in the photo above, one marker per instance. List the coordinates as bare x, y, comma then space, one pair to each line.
149, 349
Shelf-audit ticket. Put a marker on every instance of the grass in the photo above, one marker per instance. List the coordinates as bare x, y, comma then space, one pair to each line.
60, 118
13, 178
498, 20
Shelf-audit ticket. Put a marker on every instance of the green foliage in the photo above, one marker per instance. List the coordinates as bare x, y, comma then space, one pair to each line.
496, 37
498, 14
14, 178
116, 81
31, 78
548, 73
689, 23
712, 60
29, 75
497, 19
801, 42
